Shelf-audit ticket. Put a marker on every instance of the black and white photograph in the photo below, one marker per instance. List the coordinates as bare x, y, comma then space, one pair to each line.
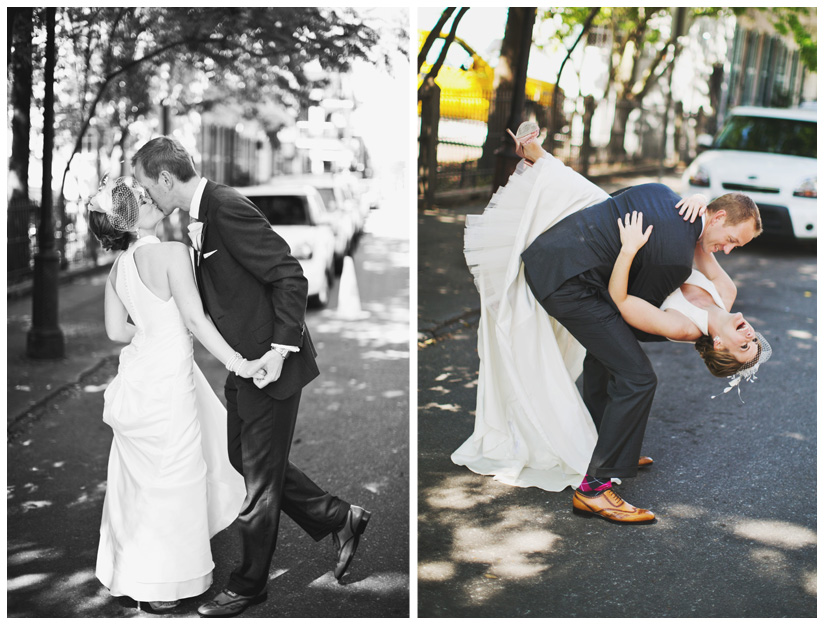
617, 282
208, 273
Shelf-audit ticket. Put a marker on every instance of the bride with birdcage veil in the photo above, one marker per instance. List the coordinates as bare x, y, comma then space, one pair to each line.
170, 485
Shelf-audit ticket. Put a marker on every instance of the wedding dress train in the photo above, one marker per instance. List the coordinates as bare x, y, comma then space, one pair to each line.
531, 426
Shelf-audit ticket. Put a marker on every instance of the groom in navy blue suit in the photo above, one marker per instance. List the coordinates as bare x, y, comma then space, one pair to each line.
568, 269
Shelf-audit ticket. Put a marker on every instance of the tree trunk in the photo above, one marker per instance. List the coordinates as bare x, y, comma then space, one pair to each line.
20, 65
430, 96
587, 149
517, 34
617, 133
19, 208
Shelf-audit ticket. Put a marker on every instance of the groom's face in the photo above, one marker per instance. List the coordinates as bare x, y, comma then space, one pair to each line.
719, 236
156, 189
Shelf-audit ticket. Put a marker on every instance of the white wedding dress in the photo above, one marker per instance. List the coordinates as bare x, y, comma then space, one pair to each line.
532, 428
170, 484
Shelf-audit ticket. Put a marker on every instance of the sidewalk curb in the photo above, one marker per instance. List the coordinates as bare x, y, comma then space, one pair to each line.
455, 197
442, 329
30, 415
24, 289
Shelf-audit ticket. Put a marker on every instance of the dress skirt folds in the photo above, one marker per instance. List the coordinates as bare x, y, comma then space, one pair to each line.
531, 425
170, 484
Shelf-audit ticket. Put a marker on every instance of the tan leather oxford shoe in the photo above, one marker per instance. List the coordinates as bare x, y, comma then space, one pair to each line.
609, 505
645, 461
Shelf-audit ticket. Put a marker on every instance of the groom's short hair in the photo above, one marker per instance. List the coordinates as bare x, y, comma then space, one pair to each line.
738, 208
165, 154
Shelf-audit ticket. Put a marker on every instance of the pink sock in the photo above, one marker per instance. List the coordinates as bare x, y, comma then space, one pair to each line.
591, 483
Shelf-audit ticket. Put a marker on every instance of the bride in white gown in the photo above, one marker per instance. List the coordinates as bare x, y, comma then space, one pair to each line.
170, 486
532, 428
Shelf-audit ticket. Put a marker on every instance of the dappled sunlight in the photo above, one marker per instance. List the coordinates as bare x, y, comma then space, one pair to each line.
800, 334
366, 333
381, 583
452, 408
376, 487
809, 582
509, 544
27, 580
458, 492
686, 512
513, 549
31, 505
27, 556
386, 355
435, 570
777, 533
797, 436
90, 498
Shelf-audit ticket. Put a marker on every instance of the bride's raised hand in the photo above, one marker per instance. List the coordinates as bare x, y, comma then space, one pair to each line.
630, 231
693, 206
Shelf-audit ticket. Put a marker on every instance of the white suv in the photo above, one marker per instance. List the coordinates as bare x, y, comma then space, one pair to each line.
769, 155
297, 213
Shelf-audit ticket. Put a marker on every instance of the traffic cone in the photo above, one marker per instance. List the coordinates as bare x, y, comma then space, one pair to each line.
349, 302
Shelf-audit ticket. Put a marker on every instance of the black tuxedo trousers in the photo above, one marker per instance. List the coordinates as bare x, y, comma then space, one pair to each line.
618, 379
260, 430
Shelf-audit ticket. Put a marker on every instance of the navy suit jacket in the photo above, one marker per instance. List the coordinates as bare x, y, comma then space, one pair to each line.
588, 241
252, 287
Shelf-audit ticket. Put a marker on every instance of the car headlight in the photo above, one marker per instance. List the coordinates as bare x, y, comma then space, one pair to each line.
807, 189
302, 252
699, 178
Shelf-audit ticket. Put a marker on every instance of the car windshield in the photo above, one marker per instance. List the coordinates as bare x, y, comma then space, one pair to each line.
283, 210
767, 134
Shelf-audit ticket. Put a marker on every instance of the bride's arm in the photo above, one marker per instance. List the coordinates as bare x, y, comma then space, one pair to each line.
185, 292
115, 316
709, 266
635, 311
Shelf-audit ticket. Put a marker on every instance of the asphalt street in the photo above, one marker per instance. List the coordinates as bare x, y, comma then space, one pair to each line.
733, 484
352, 438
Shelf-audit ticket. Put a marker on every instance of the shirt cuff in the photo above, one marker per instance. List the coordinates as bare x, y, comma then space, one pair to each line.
275, 346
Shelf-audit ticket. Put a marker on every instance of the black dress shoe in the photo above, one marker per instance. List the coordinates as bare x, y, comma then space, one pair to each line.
346, 539
228, 603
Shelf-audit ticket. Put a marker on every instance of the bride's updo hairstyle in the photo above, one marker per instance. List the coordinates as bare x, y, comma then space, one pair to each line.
720, 363
113, 213
108, 237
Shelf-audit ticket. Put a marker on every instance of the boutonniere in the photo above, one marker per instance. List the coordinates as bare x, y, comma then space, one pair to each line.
196, 235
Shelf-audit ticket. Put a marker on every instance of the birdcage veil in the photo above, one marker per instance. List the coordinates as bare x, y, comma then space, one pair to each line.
748, 371
120, 200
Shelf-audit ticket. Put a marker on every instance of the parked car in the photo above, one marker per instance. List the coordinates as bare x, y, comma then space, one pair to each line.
466, 81
339, 206
770, 155
296, 212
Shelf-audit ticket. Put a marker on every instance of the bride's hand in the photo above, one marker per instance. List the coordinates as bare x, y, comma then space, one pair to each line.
250, 369
631, 233
693, 206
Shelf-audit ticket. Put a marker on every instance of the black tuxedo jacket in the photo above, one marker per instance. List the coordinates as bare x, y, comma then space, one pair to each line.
253, 289
588, 241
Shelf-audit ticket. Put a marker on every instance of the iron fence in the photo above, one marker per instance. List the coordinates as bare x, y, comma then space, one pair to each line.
463, 132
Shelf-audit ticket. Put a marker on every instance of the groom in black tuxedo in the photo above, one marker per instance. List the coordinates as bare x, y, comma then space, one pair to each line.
255, 292
568, 269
